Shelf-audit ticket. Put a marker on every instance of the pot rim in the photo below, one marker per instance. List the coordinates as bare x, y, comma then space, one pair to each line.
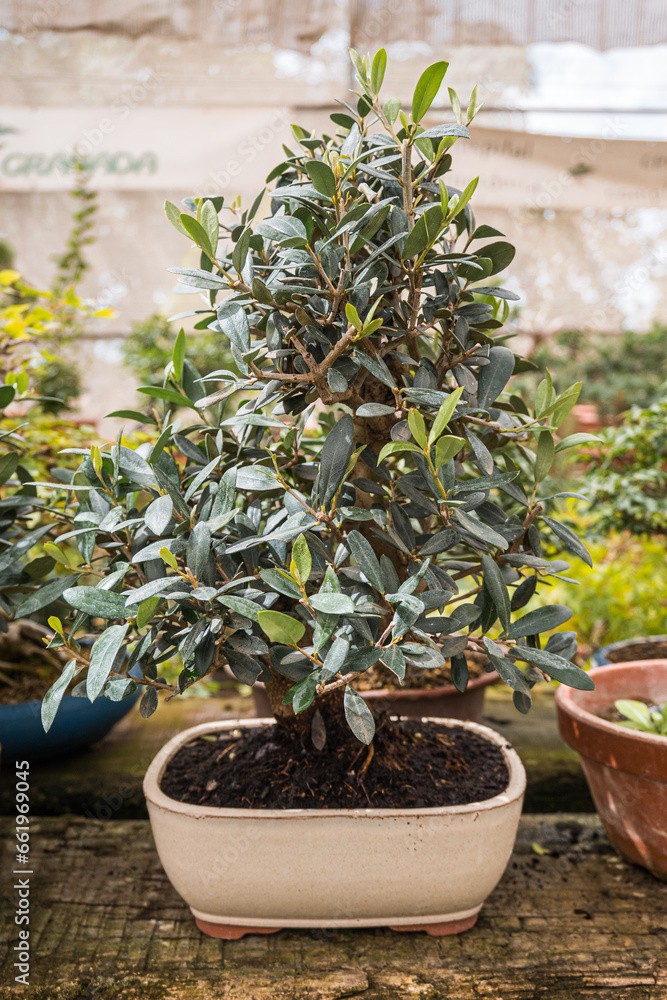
565, 701
155, 796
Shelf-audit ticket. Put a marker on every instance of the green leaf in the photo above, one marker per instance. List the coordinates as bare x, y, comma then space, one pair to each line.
378, 70
362, 659
302, 694
325, 625
8, 466
424, 233
391, 109
335, 455
54, 695
393, 658
283, 585
158, 514
564, 404
427, 88
465, 197
241, 605
178, 354
569, 539
148, 703
375, 410
460, 672
209, 219
46, 595
169, 395
493, 377
444, 415
509, 672
95, 602
497, 590
544, 456
480, 530
446, 448
286, 230
366, 560
146, 610
281, 628
395, 446
574, 440
198, 548
359, 716
635, 711
335, 658
540, 620
417, 427
322, 177
500, 254
137, 415
332, 604
302, 562
103, 654
353, 317
557, 667
236, 327
197, 232
174, 215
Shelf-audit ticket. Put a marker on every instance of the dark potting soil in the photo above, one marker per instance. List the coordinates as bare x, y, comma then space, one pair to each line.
410, 764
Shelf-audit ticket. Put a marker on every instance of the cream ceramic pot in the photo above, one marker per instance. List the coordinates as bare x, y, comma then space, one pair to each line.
259, 870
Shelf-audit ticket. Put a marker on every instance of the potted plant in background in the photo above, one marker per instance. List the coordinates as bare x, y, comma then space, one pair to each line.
404, 531
625, 766
32, 575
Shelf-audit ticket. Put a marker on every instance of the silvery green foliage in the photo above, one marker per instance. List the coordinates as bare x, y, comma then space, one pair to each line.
406, 528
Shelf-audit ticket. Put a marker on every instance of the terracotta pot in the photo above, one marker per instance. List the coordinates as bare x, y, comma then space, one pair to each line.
259, 870
444, 702
626, 770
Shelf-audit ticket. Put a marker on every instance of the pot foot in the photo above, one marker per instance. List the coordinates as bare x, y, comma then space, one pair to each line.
443, 928
231, 932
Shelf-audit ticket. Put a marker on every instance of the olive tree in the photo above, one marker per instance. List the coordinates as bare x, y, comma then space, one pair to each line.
362, 486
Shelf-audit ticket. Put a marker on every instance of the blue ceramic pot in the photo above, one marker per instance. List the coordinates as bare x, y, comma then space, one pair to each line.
651, 647
78, 722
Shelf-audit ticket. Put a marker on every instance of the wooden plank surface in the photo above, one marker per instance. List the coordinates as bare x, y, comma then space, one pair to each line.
572, 924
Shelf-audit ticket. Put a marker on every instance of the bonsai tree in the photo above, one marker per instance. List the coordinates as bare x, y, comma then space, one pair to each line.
358, 296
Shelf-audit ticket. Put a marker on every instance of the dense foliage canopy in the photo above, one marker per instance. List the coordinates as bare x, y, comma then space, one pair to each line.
362, 486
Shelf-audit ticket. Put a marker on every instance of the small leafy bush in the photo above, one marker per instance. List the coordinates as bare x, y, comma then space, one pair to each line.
623, 594
148, 349
405, 529
617, 371
627, 477
642, 717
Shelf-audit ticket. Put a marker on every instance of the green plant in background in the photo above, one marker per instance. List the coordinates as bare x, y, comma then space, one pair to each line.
623, 594
645, 718
616, 371
406, 528
627, 474
148, 349
57, 379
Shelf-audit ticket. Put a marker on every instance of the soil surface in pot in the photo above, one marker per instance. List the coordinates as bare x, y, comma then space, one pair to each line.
639, 649
411, 764
380, 677
27, 668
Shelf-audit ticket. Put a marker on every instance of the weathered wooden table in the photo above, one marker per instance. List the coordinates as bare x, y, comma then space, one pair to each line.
574, 923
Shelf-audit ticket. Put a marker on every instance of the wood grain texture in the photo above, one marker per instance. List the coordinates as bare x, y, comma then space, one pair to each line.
577, 922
